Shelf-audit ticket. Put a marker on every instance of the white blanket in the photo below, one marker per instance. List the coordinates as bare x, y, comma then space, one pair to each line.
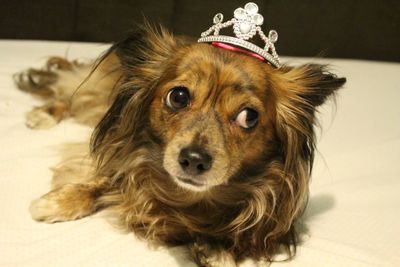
354, 210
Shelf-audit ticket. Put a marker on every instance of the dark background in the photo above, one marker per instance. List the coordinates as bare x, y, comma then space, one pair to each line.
341, 28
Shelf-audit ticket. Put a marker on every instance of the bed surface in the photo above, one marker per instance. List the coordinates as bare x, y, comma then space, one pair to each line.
354, 209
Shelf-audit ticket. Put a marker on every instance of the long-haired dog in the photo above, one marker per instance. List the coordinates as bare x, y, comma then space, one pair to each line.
193, 145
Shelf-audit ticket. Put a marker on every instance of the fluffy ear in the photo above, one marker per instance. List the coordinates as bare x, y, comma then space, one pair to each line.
145, 52
143, 57
313, 82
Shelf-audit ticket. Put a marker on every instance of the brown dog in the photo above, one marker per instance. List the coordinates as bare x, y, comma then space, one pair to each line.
199, 146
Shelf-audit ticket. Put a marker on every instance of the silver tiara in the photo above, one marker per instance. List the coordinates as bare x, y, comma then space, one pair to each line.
246, 24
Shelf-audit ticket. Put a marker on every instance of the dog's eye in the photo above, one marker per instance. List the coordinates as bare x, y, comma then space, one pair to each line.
247, 118
178, 98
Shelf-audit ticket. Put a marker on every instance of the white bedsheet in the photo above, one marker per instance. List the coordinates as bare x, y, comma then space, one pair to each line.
354, 210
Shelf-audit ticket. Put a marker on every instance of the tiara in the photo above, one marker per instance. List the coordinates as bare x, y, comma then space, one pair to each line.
246, 24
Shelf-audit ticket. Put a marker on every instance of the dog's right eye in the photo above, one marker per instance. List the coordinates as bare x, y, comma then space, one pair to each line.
178, 98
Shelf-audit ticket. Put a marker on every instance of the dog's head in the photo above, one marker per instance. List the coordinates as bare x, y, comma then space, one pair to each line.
214, 123
216, 115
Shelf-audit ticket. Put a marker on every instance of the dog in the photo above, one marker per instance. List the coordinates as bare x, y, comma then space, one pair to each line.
193, 144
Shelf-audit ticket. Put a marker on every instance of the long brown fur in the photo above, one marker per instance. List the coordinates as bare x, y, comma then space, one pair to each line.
259, 185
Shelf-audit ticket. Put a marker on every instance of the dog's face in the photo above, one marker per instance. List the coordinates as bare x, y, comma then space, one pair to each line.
213, 111
217, 116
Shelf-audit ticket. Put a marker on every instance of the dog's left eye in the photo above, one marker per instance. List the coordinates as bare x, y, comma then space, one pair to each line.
178, 98
247, 118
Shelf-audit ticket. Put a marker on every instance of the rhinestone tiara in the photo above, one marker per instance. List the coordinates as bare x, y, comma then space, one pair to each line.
246, 24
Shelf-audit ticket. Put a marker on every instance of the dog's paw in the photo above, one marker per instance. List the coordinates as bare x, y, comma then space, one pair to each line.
208, 256
40, 119
66, 203
221, 259
46, 210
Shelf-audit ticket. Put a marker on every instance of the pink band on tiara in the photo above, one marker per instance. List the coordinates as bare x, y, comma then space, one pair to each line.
236, 49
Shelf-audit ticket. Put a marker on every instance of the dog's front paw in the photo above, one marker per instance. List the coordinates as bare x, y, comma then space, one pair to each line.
221, 259
46, 210
66, 203
40, 119
206, 255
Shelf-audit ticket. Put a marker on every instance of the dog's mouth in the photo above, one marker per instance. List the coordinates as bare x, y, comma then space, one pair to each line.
190, 183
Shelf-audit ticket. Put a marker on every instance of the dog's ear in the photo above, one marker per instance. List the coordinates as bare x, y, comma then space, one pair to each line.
313, 83
145, 53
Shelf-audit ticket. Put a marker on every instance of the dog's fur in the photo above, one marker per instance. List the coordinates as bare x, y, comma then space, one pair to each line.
258, 184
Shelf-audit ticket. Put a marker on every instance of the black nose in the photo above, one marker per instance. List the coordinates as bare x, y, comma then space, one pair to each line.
194, 160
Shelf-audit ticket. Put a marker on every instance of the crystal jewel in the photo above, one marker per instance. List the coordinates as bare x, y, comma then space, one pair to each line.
258, 19
251, 8
245, 27
218, 18
273, 36
240, 13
